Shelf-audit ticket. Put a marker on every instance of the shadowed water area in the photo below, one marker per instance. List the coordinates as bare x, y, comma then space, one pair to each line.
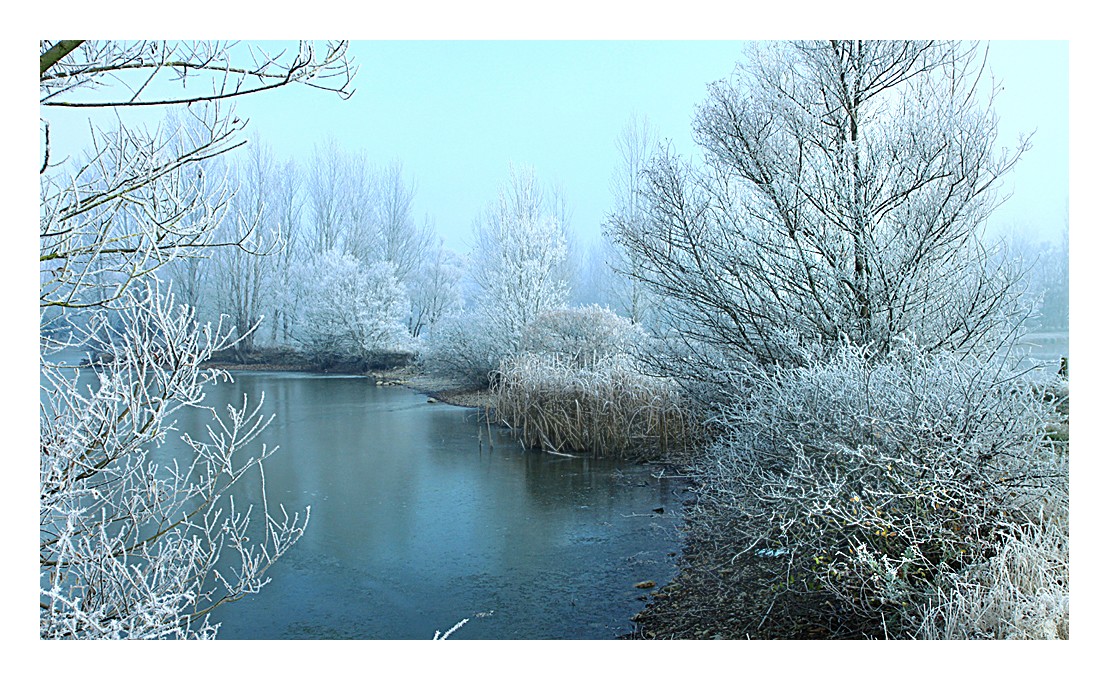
413, 528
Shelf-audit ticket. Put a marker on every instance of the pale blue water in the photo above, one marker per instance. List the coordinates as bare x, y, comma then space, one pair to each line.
413, 529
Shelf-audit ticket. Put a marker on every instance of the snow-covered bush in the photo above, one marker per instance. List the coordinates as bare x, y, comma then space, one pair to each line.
864, 486
582, 335
350, 311
462, 350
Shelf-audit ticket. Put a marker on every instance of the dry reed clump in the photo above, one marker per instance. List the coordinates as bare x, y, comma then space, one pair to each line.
606, 407
865, 489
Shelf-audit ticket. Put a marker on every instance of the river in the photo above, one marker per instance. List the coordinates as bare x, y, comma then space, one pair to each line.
413, 528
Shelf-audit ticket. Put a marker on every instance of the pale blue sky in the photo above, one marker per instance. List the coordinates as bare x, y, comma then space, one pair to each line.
457, 113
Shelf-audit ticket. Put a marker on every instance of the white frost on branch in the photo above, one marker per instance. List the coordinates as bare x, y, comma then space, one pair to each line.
352, 310
135, 542
139, 534
518, 260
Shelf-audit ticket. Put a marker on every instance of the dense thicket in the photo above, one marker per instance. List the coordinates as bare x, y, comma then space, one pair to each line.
878, 486
825, 291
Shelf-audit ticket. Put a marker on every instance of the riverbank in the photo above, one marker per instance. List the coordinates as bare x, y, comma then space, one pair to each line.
702, 601
723, 592
717, 593
403, 376
706, 601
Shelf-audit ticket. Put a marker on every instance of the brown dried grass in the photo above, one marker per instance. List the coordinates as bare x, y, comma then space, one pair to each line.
606, 408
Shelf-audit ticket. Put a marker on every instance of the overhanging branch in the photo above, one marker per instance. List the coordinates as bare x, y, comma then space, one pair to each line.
57, 52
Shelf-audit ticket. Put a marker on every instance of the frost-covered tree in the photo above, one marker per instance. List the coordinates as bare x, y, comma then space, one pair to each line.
636, 143
517, 270
518, 259
436, 290
1046, 267
396, 235
244, 279
351, 311
573, 265
420, 262
136, 542
325, 184
365, 211
288, 209
843, 190
190, 271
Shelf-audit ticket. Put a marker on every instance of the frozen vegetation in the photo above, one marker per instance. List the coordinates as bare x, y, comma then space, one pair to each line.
881, 464
131, 544
576, 385
808, 320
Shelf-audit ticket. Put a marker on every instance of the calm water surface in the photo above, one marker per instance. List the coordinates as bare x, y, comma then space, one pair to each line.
413, 528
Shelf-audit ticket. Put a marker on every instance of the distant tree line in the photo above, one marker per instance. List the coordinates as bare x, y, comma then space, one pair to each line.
330, 260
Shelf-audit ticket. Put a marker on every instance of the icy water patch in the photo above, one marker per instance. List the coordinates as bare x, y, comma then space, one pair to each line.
414, 528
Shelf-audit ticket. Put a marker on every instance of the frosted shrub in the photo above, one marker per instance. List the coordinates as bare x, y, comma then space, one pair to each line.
463, 351
583, 336
866, 485
1022, 592
353, 311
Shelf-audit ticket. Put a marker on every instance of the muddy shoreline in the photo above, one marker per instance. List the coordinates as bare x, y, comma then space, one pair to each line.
401, 376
